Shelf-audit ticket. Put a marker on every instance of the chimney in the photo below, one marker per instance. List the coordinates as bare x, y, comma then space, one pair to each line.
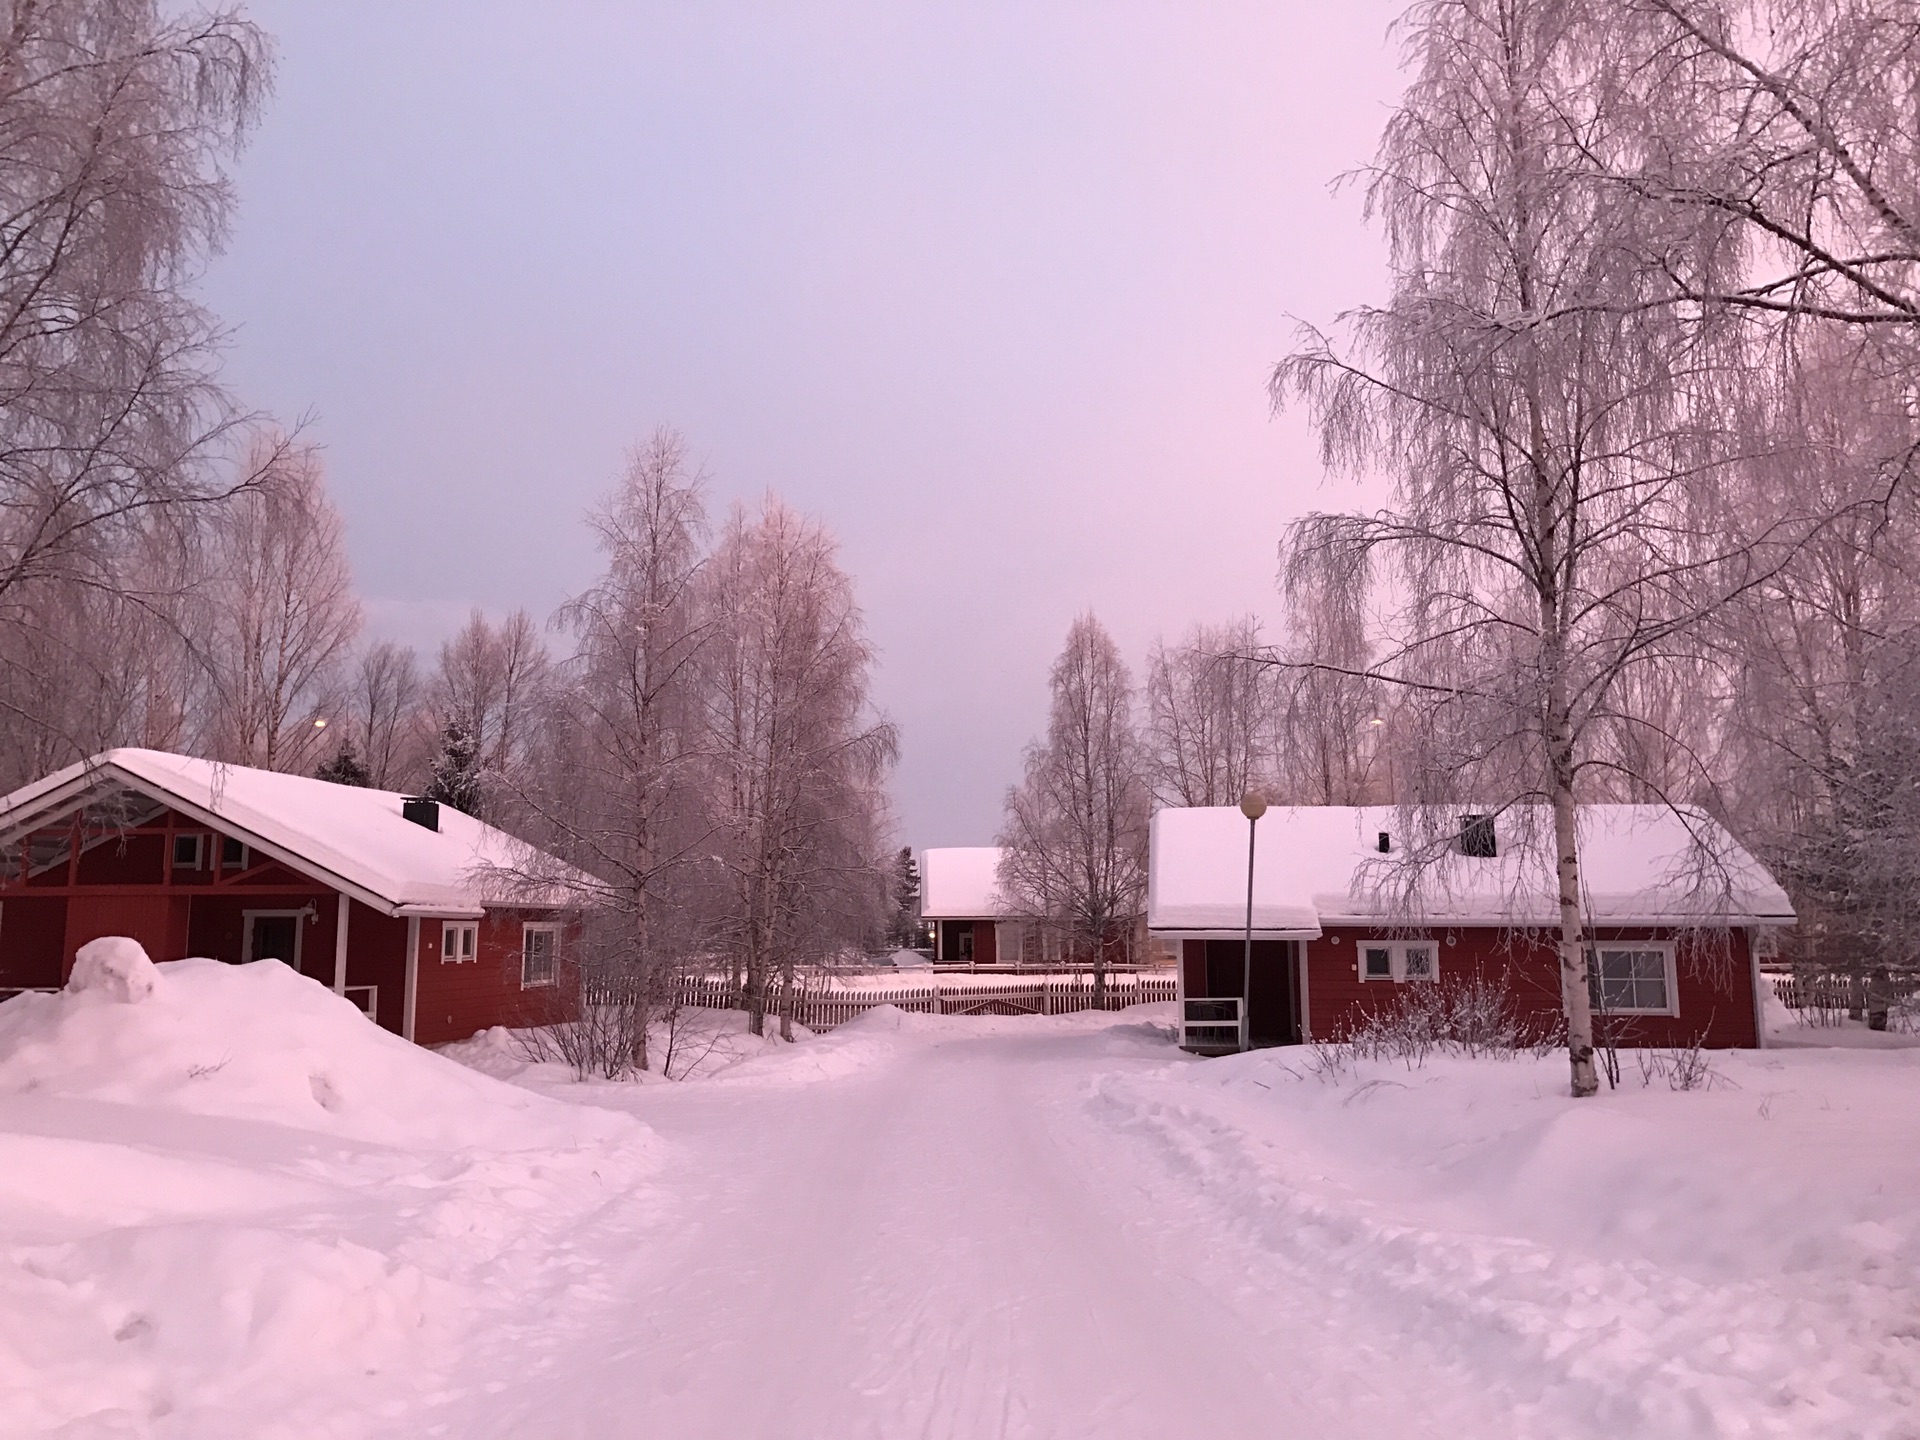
422, 812
1386, 843
1477, 838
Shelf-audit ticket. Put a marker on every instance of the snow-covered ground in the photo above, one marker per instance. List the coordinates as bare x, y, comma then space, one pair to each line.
234, 1208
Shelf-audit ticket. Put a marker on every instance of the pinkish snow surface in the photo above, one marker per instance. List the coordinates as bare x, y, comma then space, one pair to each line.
228, 1212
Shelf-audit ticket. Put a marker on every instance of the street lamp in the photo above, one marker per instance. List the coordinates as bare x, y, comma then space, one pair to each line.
1253, 807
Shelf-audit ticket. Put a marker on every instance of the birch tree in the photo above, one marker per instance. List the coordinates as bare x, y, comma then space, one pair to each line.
798, 761
1209, 715
1550, 420
490, 682
621, 791
1074, 840
384, 704
1791, 123
283, 616
117, 120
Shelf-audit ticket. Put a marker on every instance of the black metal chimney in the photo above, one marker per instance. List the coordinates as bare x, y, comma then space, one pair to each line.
422, 811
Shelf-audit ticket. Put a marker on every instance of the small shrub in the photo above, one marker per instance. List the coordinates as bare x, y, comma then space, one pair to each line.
1471, 1017
1683, 1067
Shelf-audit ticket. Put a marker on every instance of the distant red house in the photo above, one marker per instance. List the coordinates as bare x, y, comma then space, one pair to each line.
392, 902
1347, 912
960, 898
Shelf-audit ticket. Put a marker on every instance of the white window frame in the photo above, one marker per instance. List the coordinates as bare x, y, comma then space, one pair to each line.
1664, 948
1396, 960
220, 854
527, 931
452, 934
199, 861
247, 917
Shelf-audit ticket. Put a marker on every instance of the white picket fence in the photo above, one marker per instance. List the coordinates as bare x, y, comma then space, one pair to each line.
821, 1004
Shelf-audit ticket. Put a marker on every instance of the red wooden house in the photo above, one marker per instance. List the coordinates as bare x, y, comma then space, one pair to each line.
1349, 908
960, 898
394, 902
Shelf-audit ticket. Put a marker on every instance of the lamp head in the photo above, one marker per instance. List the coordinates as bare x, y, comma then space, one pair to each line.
1252, 806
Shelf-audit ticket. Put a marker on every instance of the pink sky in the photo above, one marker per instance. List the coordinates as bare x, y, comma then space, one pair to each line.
991, 289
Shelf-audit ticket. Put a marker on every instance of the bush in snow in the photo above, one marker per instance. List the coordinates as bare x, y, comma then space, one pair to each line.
1451, 1017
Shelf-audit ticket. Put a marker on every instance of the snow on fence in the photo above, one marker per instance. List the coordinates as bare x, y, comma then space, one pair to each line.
821, 1005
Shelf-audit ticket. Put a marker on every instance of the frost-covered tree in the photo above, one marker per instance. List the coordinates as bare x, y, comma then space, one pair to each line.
491, 681
384, 704
117, 121
1074, 839
798, 760
282, 615
1554, 425
1210, 710
619, 786
455, 773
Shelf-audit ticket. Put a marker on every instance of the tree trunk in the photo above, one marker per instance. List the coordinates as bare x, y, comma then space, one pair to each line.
1574, 997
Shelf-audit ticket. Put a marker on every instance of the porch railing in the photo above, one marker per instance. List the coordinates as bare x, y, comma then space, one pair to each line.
1213, 1026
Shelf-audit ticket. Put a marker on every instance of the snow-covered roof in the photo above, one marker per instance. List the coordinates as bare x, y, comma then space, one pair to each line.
355, 840
1321, 865
961, 882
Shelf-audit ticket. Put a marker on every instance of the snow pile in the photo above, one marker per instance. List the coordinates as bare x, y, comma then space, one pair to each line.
114, 968
260, 1042
231, 1202
1739, 1259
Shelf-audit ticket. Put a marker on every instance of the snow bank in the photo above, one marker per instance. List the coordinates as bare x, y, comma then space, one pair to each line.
258, 1042
226, 1206
1742, 1259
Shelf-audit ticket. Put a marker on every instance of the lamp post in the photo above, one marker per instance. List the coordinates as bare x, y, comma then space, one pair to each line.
1253, 807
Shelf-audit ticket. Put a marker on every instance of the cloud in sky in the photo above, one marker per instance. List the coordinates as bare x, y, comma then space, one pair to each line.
992, 289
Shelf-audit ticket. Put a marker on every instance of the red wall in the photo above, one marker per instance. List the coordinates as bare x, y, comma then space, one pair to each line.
454, 1001
33, 933
1714, 981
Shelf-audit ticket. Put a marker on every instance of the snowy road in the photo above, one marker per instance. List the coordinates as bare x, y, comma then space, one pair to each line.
949, 1241
233, 1210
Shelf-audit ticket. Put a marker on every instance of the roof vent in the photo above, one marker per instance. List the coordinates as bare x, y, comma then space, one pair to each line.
1477, 837
422, 812
1386, 842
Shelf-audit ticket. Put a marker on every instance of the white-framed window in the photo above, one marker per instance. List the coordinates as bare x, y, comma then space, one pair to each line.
539, 945
188, 851
1396, 961
233, 853
1632, 979
459, 942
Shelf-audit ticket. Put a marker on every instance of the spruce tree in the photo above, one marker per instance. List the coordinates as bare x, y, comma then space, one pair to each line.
456, 770
345, 768
906, 901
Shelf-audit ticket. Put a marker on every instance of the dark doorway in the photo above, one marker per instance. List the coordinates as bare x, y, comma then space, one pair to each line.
1272, 1012
275, 937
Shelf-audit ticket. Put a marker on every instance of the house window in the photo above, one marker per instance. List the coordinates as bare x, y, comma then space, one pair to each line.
537, 945
233, 853
1399, 960
457, 943
1631, 979
187, 850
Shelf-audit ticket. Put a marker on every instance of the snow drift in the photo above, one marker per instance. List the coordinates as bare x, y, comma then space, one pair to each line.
226, 1197
259, 1042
